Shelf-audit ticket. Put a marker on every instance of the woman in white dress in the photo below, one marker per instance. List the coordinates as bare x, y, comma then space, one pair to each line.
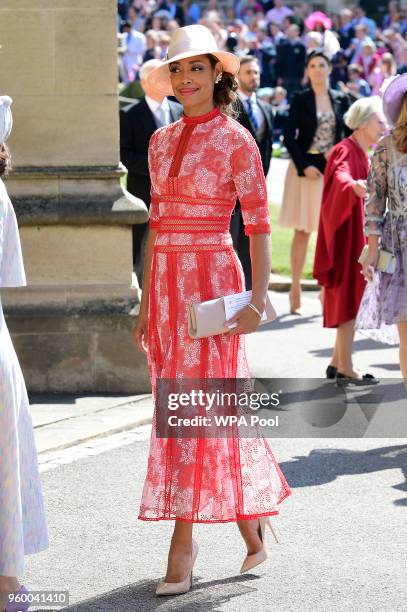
23, 528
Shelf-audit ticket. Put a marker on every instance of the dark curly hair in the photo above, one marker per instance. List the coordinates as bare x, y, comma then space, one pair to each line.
224, 92
5, 160
317, 53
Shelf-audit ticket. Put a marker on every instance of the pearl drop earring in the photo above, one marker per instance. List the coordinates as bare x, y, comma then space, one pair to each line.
218, 78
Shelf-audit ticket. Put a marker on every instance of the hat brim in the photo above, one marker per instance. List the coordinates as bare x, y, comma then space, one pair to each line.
393, 98
159, 77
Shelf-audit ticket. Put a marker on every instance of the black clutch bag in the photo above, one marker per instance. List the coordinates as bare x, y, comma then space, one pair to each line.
316, 159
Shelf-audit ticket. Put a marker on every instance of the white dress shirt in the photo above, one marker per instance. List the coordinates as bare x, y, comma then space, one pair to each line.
154, 106
257, 112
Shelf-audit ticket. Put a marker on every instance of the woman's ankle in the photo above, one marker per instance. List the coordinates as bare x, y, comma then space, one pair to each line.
250, 534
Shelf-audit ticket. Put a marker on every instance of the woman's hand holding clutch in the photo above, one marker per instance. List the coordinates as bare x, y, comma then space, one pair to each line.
246, 320
370, 263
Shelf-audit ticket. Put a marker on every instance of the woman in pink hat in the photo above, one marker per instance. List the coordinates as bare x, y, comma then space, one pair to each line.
199, 165
383, 310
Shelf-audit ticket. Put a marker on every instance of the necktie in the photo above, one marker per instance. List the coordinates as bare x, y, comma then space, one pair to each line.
251, 115
160, 114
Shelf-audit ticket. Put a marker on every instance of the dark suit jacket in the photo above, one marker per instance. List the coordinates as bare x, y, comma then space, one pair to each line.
266, 144
137, 124
302, 124
290, 60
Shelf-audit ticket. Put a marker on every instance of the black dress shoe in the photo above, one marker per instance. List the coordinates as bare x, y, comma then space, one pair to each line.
331, 372
367, 379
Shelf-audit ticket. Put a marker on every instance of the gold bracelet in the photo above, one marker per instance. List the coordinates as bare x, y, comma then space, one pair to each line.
253, 307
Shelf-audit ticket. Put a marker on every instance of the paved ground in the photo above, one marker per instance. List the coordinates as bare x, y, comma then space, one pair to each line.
343, 530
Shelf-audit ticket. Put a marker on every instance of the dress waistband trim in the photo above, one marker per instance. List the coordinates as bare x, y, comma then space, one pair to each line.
191, 225
191, 248
182, 199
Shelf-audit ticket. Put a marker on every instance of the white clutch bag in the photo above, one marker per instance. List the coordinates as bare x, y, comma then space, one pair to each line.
385, 263
208, 318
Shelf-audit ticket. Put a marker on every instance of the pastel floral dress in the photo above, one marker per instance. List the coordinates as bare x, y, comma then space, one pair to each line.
198, 167
384, 303
23, 528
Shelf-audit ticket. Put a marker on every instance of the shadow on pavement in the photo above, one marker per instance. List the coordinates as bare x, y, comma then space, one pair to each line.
392, 367
364, 344
287, 321
140, 596
324, 465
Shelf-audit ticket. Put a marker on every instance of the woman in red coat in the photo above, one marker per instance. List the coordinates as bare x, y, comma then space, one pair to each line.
340, 234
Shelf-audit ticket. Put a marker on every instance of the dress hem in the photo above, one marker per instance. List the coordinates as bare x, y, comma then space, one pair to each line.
240, 517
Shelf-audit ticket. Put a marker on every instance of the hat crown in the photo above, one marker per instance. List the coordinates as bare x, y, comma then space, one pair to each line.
193, 38
393, 91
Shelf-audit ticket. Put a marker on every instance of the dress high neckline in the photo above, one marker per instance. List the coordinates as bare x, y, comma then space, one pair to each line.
201, 118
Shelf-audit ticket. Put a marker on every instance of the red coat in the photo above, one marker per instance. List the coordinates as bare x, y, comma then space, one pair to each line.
340, 234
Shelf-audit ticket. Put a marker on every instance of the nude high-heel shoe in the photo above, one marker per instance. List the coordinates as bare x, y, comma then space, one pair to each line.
257, 558
176, 588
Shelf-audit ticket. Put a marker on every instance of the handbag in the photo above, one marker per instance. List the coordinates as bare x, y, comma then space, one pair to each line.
385, 263
208, 318
387, 260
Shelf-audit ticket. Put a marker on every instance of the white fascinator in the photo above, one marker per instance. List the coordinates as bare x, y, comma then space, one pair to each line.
6, 118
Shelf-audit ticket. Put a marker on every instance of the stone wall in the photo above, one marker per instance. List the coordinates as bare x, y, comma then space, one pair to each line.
72, 325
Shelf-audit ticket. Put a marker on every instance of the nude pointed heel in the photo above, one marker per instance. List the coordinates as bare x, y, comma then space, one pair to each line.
176, 588
257, 558
273, 531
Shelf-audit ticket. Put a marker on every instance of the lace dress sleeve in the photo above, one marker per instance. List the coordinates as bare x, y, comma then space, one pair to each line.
250, 185
154, 218
377, 189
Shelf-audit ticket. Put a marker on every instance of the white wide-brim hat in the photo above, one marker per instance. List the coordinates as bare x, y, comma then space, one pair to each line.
187, 42
6, 118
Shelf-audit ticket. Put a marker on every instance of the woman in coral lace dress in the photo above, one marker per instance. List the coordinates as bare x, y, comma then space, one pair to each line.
199, 165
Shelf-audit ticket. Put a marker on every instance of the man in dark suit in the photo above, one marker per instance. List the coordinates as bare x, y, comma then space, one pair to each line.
137, 124
257, 117
175, 10
290, 61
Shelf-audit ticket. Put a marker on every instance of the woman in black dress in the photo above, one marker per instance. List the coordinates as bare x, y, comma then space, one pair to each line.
315, 124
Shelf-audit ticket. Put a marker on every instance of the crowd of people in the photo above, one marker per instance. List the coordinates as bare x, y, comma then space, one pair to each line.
363, 52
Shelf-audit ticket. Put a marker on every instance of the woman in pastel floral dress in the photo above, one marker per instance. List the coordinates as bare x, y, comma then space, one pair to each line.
198, 166
23, 528
383, 310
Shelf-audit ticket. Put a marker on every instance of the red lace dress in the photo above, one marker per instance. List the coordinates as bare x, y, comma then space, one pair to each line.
198, 167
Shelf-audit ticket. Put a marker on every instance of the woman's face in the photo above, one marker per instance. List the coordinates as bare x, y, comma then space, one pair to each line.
192, 80
374, 128
318, 71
